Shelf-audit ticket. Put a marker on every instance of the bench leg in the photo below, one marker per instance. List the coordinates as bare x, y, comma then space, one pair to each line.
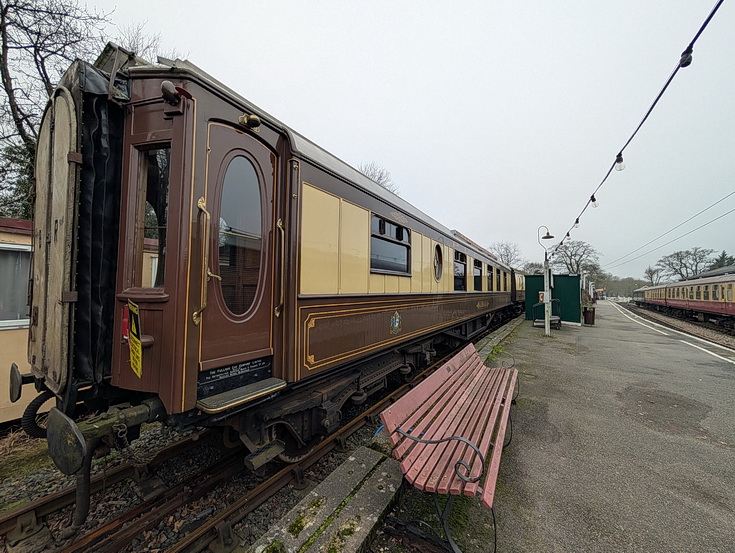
444, 519
397, 527
510, 431
420, 534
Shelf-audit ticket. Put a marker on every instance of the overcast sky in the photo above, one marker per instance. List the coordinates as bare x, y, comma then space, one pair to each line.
495, 117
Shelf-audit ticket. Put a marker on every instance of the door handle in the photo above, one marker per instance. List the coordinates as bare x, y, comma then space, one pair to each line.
279, 308
207, 273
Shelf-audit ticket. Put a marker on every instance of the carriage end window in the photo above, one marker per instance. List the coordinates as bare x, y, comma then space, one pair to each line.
390, 247
152, 218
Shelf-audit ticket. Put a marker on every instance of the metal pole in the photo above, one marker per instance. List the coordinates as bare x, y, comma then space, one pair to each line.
547, 297
547, 284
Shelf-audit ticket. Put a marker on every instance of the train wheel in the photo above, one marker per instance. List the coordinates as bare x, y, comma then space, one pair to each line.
295, 451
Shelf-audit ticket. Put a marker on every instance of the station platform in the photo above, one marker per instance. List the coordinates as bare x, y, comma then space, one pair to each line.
623, 440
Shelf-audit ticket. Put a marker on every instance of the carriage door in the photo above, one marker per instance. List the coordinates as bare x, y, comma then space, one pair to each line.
236, 319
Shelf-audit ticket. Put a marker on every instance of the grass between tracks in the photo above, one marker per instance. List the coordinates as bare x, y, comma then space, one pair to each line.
19, 457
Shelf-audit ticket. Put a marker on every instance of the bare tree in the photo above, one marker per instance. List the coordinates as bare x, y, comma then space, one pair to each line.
507, 252
617, 286
576, 256
533, 268
38, 41
145, 45
379, 175
652, 276
686, 264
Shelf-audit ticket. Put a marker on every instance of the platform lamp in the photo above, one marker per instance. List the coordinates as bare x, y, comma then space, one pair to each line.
547, 286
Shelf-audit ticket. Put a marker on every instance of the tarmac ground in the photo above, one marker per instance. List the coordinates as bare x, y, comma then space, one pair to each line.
623, 440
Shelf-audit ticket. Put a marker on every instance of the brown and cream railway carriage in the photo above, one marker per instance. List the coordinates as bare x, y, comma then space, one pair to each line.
707, 299
199, 261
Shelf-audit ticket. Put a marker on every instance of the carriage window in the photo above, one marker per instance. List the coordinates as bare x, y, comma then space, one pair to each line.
706, 292
438, 263
489, 278
390, 245
152, 218
240, 235
729, 292
715, 293
460, 271
478, 275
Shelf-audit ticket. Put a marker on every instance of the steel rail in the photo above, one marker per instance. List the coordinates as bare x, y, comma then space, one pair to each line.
119, 533
54, 502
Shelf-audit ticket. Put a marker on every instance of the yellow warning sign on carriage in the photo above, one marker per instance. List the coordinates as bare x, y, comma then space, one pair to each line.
136, 351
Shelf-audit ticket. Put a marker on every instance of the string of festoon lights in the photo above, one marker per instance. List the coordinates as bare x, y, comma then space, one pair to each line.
684, 61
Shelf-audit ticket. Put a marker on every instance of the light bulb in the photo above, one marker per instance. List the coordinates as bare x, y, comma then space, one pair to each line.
576, 223
619, 163
594, 201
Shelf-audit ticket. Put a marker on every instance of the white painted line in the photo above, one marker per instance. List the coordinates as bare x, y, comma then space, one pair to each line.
624, 314
703, 340
707, 351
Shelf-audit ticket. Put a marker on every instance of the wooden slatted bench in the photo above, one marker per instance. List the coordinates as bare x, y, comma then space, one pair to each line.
444, 428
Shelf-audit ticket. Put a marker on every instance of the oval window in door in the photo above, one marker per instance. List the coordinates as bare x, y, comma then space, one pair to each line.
240, 235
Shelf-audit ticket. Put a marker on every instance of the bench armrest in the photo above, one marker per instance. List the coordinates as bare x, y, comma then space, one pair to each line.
460, 462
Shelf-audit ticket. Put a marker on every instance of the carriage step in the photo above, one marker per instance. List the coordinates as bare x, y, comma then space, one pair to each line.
238, 396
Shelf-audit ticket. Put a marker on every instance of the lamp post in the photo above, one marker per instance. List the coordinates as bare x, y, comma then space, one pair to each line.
547, 284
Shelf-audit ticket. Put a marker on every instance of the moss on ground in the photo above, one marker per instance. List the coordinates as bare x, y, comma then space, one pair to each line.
337, 543
16, 466
275, 547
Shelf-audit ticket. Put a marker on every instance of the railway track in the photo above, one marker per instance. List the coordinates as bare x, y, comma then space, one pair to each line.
28, 515
215, 531
709, 332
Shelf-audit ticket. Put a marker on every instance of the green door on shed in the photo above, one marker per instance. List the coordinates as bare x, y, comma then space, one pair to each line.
566, 288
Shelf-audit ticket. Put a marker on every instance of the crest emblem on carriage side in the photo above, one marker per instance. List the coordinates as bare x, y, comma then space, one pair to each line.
395, 323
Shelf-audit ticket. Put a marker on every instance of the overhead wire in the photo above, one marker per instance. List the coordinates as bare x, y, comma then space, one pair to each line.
684, 61
675, 239
668, 231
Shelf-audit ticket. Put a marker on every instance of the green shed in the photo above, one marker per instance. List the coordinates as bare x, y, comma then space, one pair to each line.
566, 288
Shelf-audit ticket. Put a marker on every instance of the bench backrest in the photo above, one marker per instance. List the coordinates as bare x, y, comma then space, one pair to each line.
397, 414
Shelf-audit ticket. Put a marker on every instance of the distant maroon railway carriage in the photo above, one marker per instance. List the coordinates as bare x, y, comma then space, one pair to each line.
708, 298
198, 262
